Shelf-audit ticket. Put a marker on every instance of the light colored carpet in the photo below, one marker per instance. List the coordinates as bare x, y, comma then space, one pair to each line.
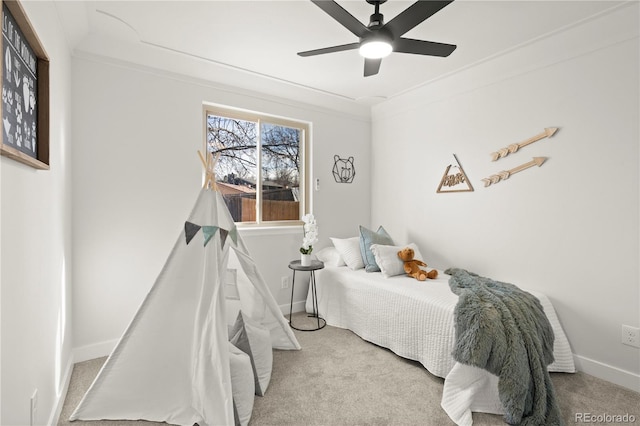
339, 379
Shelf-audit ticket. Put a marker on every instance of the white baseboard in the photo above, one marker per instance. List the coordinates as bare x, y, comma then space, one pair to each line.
607, 372
97, 350
296, 307
59, 403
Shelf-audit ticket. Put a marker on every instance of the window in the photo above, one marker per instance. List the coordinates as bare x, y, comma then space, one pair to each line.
262, 169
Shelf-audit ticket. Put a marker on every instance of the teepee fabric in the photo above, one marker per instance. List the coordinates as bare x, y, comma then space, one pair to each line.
172, 363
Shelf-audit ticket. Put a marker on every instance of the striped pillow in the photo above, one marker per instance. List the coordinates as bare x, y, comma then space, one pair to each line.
349, 249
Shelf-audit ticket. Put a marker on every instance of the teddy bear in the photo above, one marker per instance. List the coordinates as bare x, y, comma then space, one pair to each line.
412, 266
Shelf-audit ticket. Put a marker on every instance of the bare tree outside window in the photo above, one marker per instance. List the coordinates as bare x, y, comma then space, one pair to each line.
261, 166
281, 154
237, 143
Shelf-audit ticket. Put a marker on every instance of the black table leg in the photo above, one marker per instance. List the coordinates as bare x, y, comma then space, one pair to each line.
293, 283
314, 304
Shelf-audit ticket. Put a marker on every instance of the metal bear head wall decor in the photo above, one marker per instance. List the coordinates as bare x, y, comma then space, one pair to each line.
343, 169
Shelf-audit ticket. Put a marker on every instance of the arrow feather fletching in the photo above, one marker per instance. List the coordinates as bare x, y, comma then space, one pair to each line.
547, 133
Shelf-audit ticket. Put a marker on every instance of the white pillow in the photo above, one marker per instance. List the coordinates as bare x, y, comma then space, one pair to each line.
388, 260
254, 340
242, 384
330, 257
349, 249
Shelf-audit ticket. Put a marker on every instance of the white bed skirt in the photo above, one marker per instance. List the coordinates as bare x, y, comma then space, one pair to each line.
415, 320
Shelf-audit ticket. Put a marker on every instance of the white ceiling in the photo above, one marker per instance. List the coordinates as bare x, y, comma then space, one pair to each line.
260, 39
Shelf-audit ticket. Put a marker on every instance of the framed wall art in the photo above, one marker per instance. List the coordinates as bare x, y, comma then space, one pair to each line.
25, 90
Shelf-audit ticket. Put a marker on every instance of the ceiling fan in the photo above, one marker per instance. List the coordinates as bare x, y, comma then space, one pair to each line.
378, 39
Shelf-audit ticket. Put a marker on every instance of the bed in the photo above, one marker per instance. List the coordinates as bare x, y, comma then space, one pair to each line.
415, 319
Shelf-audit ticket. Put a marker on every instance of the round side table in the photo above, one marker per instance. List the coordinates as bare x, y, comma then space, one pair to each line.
295, 265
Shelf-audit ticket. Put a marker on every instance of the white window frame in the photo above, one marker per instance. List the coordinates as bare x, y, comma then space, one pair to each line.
305, 154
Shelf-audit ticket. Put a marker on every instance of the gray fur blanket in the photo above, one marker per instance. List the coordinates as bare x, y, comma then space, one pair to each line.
504, 330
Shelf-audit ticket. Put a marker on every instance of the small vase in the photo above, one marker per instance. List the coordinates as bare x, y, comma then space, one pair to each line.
305, 259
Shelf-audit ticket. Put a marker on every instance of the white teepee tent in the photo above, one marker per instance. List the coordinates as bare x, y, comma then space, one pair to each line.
172, 362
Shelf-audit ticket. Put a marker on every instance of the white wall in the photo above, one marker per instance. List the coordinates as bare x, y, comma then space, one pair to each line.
35, 254
569, 228
137, 174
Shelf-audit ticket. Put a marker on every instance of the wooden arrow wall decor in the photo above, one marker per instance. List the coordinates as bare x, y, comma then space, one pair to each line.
548, 132
505, 174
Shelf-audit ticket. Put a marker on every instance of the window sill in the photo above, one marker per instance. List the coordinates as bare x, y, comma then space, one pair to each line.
256, 231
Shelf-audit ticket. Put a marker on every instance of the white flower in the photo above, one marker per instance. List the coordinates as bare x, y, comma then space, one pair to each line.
310, 234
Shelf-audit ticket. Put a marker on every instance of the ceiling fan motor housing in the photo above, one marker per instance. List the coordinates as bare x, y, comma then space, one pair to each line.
378, 34
376, 21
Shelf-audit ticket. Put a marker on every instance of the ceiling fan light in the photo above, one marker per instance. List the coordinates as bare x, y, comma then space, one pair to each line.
375, 49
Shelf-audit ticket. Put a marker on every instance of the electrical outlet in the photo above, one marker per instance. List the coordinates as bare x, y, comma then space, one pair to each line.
284, 282
34, 407
631, 336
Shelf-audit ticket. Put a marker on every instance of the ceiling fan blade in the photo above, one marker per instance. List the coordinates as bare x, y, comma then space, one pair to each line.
414, 15
371, 66
422, 47
347, 20
331, 49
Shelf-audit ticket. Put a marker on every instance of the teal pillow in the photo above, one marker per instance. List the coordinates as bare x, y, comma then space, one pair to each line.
368, 237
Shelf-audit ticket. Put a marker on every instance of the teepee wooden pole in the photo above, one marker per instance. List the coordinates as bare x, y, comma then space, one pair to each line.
209, 167
204, 163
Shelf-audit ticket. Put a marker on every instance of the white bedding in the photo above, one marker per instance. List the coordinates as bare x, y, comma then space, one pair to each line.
415, 320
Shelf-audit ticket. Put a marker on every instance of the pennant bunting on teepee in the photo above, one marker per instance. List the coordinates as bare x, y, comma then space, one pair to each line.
223, 236
234, 234
190, 230
208, 231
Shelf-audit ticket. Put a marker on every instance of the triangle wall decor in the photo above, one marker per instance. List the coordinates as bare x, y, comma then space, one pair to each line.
454, 179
